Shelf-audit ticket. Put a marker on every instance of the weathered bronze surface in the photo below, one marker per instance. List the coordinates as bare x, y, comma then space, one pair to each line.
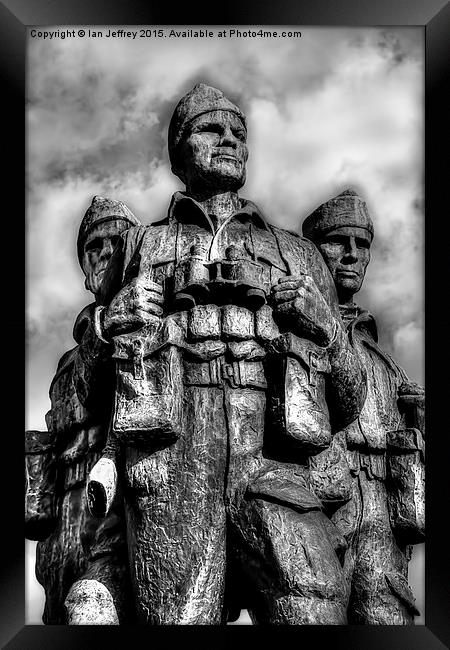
221, 381
384, 447
73, 544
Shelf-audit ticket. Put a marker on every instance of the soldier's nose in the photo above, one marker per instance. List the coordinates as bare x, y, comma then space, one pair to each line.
107, 250
351, 257
351, 251
228, 139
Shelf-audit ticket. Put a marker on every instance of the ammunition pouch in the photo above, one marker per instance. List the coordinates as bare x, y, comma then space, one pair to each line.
412, 406
236, 360
330, 476
297, 411
40, 481
405, 482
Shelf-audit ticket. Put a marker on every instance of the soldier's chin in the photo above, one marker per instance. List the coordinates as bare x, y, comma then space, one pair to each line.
94, 283
226, 178
350, 284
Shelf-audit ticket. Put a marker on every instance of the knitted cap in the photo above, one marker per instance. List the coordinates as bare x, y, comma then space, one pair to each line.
201, 99
345, 209
102, 209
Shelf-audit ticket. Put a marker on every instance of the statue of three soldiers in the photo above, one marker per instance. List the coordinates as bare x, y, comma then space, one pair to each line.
227, 432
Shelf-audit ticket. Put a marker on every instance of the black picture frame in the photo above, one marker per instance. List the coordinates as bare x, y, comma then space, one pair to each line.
434, 17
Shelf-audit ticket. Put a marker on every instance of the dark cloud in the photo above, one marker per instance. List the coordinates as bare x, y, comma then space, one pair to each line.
400, 46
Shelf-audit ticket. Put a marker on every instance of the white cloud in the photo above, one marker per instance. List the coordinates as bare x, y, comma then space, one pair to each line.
34, 594
409, 349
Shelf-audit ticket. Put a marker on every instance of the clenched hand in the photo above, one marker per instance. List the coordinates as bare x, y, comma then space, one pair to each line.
137, 304
301, 308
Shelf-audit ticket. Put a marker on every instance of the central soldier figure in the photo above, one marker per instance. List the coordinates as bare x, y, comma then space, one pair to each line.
233, 368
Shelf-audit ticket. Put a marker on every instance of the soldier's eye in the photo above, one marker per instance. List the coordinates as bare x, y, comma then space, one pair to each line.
94, 244
239, 134
336, 239
208, 128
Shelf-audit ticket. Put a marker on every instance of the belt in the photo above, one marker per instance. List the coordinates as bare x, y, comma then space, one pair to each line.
238, 374
374, 464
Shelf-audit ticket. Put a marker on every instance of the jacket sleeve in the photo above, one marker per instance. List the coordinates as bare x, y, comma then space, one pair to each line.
346, 388
410, 395
93, 373
123, 260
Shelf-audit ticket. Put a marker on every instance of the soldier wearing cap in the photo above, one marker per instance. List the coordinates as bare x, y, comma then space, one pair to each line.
384, 447
73, 543
206, 314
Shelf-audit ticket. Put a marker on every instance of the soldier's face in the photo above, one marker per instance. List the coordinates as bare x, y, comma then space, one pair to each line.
214, 152
97, 251
346, 252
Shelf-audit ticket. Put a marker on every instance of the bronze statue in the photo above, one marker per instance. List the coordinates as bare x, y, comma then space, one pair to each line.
59, 460
233, 370
215, 410
384, 446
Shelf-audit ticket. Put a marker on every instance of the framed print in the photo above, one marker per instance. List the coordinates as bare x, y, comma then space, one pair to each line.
335, 99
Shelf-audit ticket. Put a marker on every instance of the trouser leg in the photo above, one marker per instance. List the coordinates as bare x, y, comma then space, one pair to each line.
290, 565
245, 413
283, 561
176, 518
380, 594
102, 595
60, 558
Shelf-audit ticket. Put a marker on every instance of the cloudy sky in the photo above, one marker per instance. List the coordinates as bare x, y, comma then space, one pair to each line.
336, 108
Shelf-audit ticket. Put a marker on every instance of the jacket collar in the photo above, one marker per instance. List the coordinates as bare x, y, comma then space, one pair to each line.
184, 209
82, 321
355, 316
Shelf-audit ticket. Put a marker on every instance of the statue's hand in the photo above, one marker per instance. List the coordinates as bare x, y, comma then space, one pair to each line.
137, 304
299, 305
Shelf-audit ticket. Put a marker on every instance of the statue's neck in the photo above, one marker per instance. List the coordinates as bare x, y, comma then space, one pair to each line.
218, 206
348, 311
346, 299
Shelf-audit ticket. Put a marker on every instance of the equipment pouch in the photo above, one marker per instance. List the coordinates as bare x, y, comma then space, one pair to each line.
405, 482
40, 479
149, 386
297, 411
330, 475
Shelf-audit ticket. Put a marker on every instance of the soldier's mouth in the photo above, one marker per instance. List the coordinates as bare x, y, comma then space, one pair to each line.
226, 156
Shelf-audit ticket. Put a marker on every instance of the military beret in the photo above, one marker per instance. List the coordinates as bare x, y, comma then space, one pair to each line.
201, 99
102, 209
345, 209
